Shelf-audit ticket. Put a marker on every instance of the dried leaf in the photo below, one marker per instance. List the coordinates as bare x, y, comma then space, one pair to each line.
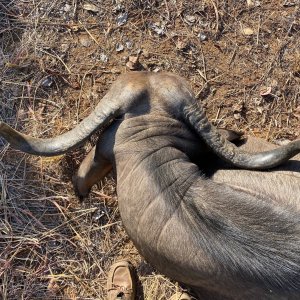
250, 3
85, 40
90, 7
288, 3
133, 63
247, 31
265, 91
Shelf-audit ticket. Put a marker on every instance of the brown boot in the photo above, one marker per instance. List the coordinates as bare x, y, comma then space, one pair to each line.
181, 296
120, 282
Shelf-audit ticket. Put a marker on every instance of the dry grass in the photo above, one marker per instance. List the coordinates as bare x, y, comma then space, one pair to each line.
56, 61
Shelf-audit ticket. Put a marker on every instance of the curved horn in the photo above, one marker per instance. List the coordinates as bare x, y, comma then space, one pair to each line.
196, 118
98, 119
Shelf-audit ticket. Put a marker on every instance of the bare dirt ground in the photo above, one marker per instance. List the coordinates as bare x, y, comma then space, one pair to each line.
58, 58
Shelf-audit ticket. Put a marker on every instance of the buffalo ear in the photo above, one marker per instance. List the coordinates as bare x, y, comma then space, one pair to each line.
231, 135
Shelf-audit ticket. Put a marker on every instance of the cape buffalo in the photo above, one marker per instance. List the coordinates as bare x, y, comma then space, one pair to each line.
193, 203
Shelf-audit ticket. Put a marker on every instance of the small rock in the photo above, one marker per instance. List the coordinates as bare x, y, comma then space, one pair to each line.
47, 81
85, 40
128, 44
119, 47
67, 8
90, 7
122, 19
190, 19
98, 214
158, 28
64, 47
202, 37
103, 57
251, 3
247, 31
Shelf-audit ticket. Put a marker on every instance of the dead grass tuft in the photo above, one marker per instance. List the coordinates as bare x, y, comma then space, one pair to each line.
57, 59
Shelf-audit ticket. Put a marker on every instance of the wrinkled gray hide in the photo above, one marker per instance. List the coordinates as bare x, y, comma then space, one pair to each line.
229, 233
